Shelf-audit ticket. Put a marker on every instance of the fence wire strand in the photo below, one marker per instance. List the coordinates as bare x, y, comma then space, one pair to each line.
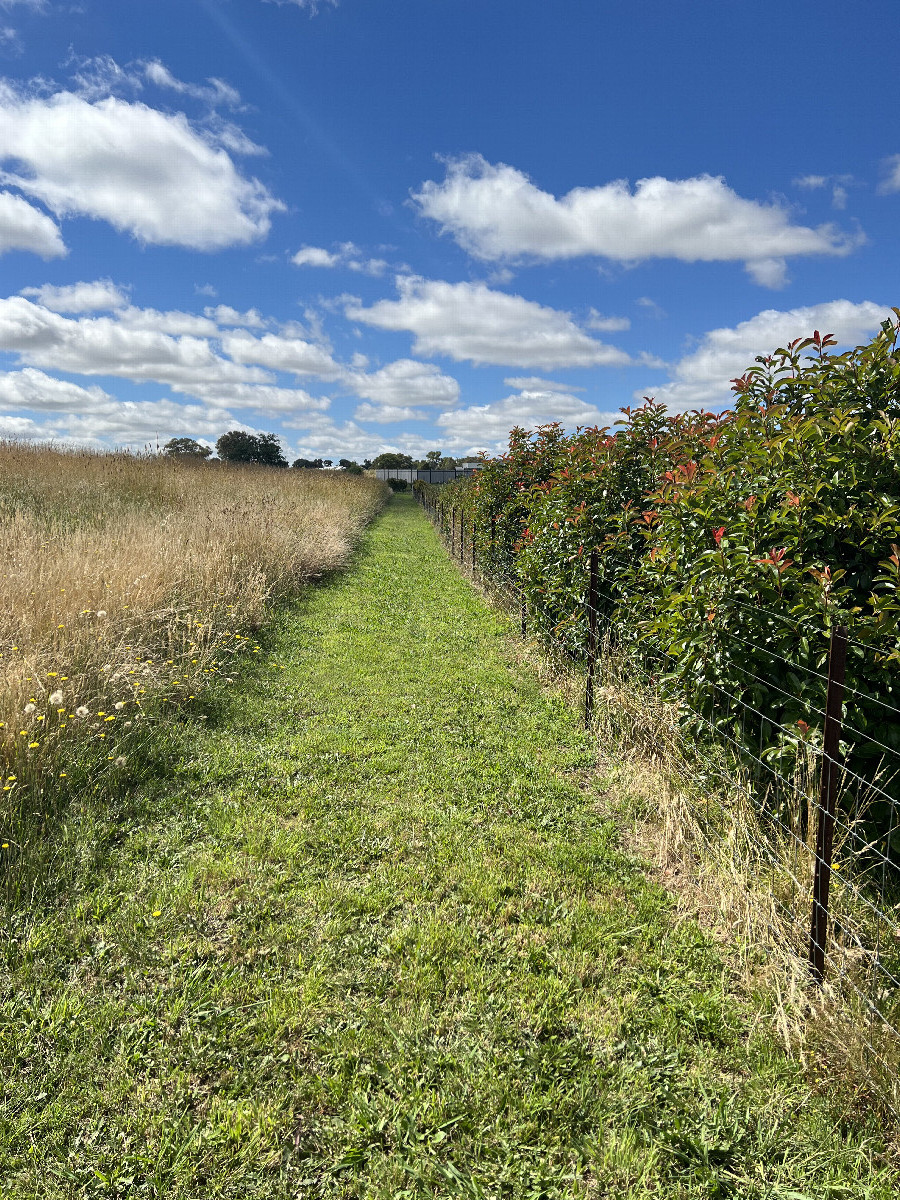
862, 949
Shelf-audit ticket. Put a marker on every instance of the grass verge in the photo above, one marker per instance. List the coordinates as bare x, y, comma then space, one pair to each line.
127, 584
366, 931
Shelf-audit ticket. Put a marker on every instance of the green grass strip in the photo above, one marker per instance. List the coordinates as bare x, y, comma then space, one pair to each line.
367, 933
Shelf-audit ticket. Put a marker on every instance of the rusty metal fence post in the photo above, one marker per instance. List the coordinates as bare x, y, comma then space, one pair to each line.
593, 640
831, 765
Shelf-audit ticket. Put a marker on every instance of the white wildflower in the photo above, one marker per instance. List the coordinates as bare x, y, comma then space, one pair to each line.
82, 711
120, 761
56, 697
29, 708
119, 704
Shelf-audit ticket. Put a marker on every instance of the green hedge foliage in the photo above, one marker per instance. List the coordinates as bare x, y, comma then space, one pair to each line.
729, 546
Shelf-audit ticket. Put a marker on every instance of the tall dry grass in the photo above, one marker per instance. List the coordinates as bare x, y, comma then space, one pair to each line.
125, 579
748, 879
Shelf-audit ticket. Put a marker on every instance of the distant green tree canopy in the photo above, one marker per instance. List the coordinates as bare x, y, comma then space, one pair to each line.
310, 464
391, 460
351, 467
264, 449
185, 447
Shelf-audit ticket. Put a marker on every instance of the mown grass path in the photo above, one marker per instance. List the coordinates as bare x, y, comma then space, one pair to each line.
370, 935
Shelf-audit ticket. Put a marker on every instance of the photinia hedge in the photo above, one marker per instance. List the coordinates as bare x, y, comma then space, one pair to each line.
729, 545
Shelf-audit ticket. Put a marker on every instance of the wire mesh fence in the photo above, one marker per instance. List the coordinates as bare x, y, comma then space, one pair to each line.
823, 789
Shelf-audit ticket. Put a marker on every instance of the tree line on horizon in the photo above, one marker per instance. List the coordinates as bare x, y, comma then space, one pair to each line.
264, 449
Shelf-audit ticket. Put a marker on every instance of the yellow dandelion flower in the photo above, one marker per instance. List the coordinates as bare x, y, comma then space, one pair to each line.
62, 774
33, 745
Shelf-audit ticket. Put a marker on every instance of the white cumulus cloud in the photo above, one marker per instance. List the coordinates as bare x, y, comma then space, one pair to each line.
534, 383
224, 314
294, 354
100, 295
403, 383
148, 173
43, 393
702, 378
346, 255
487, 426
24, 227
495, 212
385, 414
106, 346
471, 321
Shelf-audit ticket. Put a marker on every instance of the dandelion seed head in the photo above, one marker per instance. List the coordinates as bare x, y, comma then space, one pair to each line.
120, 704
29, 708
82, 711
56, 697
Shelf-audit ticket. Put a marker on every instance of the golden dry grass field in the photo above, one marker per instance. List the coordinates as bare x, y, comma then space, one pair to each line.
126, 581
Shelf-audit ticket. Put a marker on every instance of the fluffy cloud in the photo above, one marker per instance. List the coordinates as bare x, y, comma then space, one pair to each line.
891, 181
837, 183
91, 415
224, 314
280, 353
405, 382
604, 324
135, 423
24, 227
534, 383
43, 393
496, 212
487, 426
106, 346
386, 414
260, 397
148, 173
470, 321
315, 256
347, 255
101, 295
702, 378
320, 437
175, 322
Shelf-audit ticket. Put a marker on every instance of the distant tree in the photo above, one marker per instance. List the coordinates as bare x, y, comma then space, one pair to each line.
367, 464
263, 449
351, 467
390, 459
185, 447
310, 464
432, 458
447, 463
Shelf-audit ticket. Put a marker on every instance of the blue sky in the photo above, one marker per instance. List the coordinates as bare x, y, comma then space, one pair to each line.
371, 226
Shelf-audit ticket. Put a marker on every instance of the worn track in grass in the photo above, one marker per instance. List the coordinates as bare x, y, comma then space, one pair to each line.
368, 934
